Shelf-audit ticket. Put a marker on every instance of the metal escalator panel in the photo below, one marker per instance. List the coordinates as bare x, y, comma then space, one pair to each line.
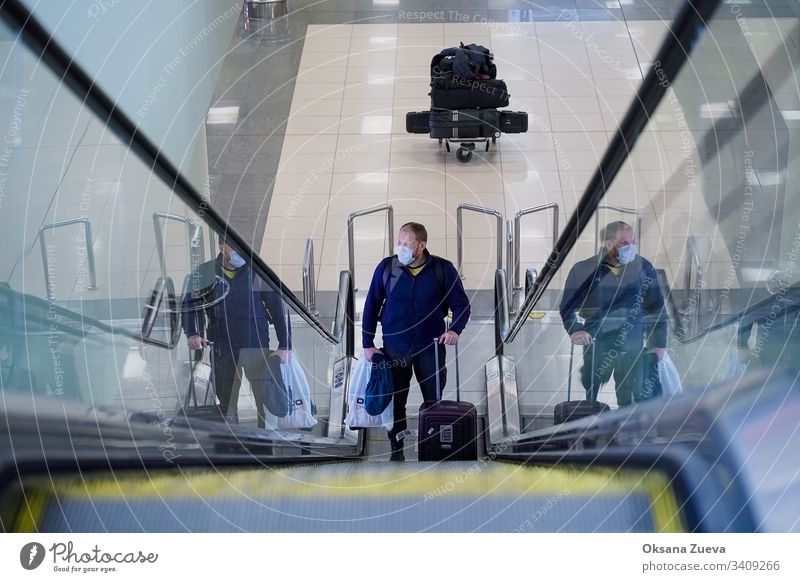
479, 496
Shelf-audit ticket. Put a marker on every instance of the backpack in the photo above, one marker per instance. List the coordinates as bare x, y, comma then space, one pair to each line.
437, 268
468, 62
481, 60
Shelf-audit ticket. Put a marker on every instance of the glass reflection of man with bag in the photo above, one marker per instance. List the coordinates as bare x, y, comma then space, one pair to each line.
238, 326
771, 327
624, 329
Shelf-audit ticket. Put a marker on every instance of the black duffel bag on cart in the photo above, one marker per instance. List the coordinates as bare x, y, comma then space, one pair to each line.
464, 77
465, 95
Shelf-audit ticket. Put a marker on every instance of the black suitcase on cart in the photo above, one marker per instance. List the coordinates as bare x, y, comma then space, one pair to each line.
464, 123
513, 121
575, 409
488, 94
448, 430
417, 122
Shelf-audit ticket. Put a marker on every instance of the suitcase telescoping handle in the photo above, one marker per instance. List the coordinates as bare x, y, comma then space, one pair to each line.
212, 379
592, 395
436, 368
569, 376
458, 378
436, 364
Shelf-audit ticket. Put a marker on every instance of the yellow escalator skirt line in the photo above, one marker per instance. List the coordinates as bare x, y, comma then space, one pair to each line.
32, 509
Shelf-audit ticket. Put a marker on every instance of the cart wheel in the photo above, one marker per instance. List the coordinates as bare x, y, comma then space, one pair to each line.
464, 155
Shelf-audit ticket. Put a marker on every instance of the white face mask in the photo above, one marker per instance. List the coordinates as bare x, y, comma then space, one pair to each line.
627, 254
235, 259
405, 255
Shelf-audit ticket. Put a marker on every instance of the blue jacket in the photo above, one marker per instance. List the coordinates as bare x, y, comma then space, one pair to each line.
242, 319
627, 309
412, 312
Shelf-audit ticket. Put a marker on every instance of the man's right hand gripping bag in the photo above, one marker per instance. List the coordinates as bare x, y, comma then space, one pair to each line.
448, 430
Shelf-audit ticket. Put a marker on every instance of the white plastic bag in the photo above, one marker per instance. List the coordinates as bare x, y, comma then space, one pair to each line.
736, 367
669, 377
357, 416
300, 408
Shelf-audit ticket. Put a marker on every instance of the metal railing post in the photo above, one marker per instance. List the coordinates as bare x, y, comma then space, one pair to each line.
518, 236
87, 227
351, 251
501, 318
510, 264
309, 279
460, 233
194, 236
693, 258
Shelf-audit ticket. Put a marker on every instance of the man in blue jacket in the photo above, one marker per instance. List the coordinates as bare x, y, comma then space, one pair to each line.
410, 295
624, 329
238, 325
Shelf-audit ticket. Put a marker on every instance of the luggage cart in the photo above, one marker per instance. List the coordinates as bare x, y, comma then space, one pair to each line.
465, 148
479, 126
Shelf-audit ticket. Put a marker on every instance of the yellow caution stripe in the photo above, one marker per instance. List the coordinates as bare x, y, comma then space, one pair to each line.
374, 480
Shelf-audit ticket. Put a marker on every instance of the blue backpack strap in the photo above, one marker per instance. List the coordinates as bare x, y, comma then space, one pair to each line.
392, 270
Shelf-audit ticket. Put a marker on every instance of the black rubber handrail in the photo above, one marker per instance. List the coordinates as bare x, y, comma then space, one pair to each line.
50, 314
58, 60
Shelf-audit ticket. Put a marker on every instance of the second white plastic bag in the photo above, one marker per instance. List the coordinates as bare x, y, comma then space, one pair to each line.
300, 408
669, 377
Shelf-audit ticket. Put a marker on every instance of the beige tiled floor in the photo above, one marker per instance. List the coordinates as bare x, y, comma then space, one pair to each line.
346, 148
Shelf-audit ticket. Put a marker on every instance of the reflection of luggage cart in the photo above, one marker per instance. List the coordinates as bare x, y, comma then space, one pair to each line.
466, 127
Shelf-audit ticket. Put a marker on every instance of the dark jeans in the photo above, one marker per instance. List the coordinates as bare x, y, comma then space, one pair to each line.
635, 372
228, 379
423, 365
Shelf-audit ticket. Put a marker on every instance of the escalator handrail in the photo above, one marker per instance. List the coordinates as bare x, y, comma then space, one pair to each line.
53, 311
679, 332
788, 307
673, 54
501, 310
50, 52
343, 322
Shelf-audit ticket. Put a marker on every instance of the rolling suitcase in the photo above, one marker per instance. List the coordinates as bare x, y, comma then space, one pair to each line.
447, 429
575, 409
417, 122
513, 121
203, 377
464, 123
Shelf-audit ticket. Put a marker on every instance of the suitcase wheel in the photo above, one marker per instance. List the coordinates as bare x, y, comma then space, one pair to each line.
463, 155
